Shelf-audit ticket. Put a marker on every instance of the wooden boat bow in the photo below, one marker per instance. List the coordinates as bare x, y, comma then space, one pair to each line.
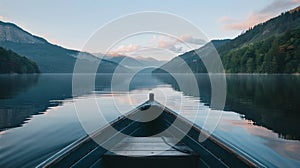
130, 141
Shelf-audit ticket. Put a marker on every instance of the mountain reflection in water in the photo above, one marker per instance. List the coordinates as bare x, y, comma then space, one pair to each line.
261, 112
271, 101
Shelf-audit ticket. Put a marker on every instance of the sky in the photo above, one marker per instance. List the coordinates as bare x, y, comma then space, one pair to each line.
71, 23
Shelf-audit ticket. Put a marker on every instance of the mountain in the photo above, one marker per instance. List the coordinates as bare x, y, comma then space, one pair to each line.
190, 60
131, 62
125, 61
11, 62
50, 58
269, 47
276, 54
149, 61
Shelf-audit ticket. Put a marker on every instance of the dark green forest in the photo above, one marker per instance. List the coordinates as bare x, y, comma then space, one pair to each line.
11, 62
270, 47
276, 54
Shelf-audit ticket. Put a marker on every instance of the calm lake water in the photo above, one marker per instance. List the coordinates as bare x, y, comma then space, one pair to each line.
38, 113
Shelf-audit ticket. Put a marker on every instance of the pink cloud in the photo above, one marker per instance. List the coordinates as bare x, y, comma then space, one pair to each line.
124, 49
2, 18
169, 42
269, 11
226, 19
190, 39
165, 42
185, 37
250, 21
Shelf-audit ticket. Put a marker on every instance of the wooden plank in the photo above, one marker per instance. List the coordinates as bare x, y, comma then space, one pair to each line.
169, 160
148, 140
149, 146
158, 146
148, 153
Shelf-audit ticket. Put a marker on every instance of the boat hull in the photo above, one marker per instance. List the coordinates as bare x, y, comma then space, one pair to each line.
92, 150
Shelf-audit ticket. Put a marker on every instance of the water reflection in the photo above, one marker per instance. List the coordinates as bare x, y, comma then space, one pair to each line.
253, 101
13, 112
267, 100
270, 101
22, 96
11, 85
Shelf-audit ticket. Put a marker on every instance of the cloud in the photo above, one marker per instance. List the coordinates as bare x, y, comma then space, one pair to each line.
279, 5
166, 42
226, 19
253, 19
155, 53
190, 39
124, 49
176, 44
256, 17
2, 18
173, 45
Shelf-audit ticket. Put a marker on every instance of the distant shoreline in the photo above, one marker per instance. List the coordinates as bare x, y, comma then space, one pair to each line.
47, 73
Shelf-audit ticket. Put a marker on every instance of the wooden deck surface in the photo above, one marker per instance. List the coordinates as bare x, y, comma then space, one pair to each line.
148, 146
150, 152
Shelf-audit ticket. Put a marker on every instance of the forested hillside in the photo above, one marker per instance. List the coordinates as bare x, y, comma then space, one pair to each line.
270, 47
11, 62
276, 54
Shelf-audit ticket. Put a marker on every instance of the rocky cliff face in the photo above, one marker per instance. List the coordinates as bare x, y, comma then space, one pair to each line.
11, 33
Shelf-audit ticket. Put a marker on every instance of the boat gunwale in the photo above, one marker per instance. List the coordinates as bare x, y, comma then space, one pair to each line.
63, 153
236, 152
